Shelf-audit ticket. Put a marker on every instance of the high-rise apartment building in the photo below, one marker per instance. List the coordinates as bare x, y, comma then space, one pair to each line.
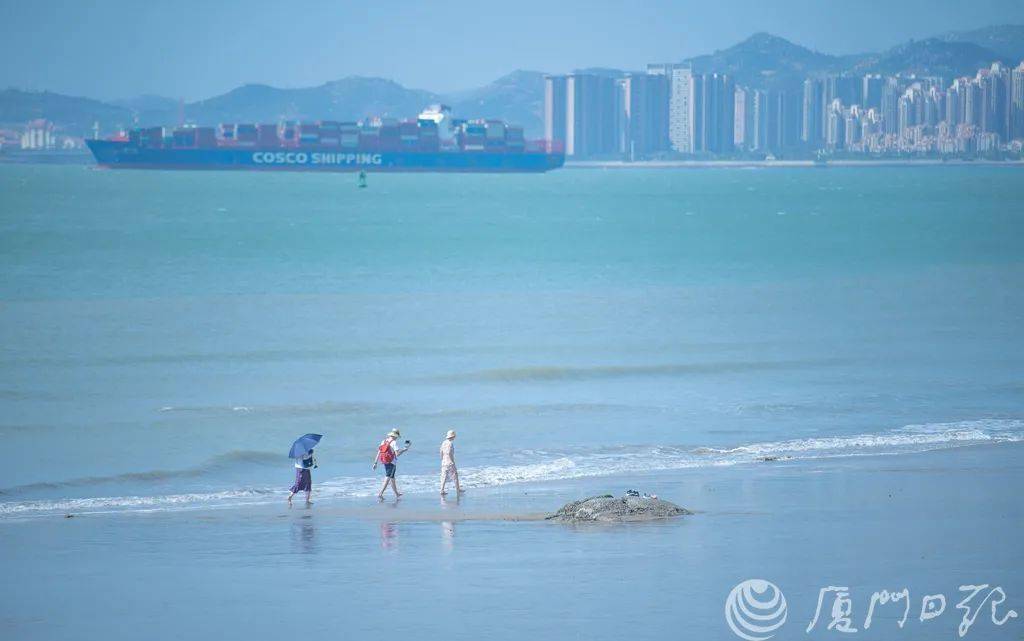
743, 118
835, 126
853, 129
1017, 102
701, 111
775, 120
847, 89
590, 115
909, 109
871, 91
716, 123
956, 101
684, 99
813, 110
890, 105
974, 105
934, 107
997, 103
554, 108
645, 105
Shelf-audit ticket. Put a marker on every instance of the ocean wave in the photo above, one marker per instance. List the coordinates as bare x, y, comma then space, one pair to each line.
559, 373
396, 412
250, 356
909, 436
236, 457
533, 409
992, 426
122, 503
578, 462
25, 395
310, 409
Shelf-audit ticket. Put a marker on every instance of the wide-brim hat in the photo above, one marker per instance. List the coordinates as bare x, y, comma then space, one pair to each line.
450, 434
394, 432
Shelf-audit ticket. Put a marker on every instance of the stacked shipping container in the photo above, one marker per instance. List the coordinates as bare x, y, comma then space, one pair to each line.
376, 135
268, 136
246, 135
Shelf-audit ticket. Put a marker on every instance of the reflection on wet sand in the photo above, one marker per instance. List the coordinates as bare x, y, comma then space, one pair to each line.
388, 535
448, 534
304, 534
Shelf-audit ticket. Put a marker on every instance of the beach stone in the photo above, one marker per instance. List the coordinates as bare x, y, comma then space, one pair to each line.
610, 509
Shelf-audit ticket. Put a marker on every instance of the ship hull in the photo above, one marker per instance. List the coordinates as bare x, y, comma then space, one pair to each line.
125, 155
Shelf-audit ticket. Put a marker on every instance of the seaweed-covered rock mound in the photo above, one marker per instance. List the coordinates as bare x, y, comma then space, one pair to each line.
610, 509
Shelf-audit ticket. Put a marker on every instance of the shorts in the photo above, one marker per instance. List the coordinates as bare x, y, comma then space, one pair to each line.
389, 470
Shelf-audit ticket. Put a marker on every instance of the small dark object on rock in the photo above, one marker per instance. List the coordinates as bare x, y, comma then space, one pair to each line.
769, 459
632, 493
609, 509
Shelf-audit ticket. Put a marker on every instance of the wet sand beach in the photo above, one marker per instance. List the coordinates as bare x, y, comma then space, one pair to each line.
930, 522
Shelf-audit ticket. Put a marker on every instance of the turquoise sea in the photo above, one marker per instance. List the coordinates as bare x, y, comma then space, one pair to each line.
168, 334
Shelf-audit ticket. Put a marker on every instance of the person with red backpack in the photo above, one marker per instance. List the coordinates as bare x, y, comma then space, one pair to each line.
388, 453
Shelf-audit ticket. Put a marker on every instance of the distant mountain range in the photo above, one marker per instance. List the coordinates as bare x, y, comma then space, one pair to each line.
346, 99
762, 60
517, 98
767, 61
1007, 40
75, 115
934, 57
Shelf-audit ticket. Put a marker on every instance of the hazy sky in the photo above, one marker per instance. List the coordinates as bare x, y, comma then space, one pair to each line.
118, 48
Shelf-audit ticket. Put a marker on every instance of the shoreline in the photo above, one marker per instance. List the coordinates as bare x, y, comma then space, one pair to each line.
744, 164
526, 502
926, 522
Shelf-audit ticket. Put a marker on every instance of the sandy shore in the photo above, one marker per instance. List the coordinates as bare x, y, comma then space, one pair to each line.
929, 522
452, 512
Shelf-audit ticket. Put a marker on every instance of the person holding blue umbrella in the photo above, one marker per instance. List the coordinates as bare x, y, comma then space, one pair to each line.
305, 462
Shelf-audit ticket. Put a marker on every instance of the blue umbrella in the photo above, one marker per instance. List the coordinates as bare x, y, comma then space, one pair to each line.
303, 445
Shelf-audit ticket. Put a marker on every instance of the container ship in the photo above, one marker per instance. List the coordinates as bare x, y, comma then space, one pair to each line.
432, 142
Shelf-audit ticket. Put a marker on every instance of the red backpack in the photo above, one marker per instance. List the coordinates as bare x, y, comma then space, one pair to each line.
386, 454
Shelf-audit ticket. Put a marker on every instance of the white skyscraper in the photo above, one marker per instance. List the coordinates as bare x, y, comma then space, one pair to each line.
682, 109
1017, 103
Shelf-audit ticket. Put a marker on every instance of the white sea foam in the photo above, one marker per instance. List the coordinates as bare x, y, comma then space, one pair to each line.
104, 503
578, 463
911, 436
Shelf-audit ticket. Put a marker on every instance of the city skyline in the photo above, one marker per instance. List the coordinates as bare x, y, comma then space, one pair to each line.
674, 111
85, 51
671, 111
960, 93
